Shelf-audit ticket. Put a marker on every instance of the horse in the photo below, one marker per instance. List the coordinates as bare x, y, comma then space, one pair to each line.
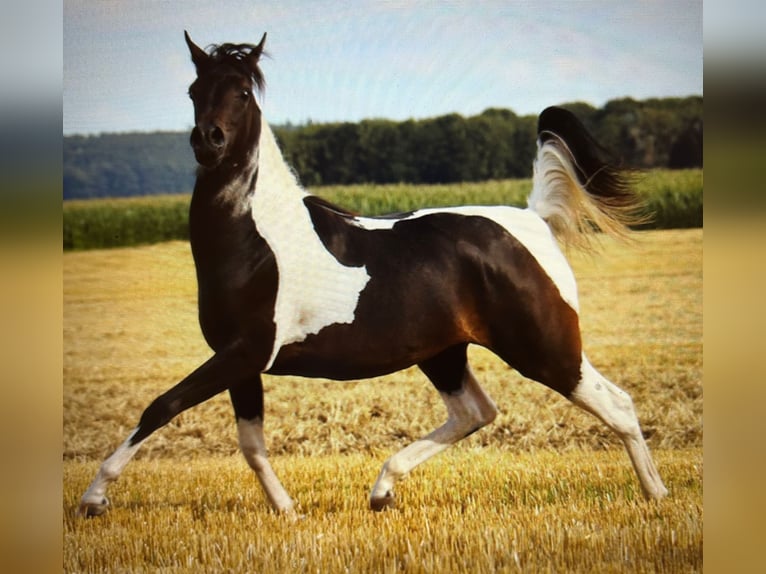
290, 284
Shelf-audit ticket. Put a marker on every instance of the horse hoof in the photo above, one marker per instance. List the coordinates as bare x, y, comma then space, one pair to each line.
90, 509
382, 502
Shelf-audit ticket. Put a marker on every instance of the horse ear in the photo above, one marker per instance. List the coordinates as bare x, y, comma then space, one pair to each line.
257, 52
261, 44
198, 55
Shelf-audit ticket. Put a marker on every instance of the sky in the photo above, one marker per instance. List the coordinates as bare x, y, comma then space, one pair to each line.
126, 66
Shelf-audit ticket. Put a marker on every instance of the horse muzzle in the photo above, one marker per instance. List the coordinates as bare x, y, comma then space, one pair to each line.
209, 145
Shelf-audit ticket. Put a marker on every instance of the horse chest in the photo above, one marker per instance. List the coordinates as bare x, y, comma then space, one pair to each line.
236, 277
314, 290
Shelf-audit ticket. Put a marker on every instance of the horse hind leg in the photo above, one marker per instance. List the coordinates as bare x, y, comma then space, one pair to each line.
469, 408
597, 395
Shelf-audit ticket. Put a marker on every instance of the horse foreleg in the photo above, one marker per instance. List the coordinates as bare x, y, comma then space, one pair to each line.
214, 376
94, 502
614, 407
247, 399
468, 409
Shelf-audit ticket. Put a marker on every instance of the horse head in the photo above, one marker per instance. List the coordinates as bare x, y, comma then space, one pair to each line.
227, 119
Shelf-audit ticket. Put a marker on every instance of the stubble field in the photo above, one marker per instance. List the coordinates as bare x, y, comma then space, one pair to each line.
544, 488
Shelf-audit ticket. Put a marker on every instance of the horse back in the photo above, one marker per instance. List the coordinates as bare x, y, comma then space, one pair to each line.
443, 277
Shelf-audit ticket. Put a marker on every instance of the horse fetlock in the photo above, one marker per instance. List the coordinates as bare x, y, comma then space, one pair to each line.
382, 495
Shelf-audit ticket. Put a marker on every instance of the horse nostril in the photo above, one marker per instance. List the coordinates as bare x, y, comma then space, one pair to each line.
196, 138
215, 137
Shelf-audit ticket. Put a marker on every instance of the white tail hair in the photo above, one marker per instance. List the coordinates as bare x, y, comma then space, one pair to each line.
576, 200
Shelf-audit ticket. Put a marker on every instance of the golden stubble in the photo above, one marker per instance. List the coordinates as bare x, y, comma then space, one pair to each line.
544, 487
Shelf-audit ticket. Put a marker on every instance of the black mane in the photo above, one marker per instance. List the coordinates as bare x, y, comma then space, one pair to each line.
237, 57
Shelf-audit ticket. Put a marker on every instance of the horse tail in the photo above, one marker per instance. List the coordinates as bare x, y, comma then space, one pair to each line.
576, 188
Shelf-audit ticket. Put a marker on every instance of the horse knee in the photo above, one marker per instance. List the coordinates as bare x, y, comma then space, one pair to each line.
255, 457
156, 415
255, 460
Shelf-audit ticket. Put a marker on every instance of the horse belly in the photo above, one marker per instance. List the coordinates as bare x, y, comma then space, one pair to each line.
391, 331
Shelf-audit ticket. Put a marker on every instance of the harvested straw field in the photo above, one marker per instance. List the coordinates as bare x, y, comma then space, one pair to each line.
544, 488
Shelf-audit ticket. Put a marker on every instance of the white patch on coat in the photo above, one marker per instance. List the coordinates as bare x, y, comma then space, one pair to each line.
523, 224
314, 289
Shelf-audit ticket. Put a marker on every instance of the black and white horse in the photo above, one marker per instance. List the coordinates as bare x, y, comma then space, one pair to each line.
292, 285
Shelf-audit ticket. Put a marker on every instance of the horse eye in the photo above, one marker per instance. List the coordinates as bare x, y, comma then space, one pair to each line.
245, 94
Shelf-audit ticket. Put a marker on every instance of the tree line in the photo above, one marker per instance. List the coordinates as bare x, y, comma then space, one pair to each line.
496, 144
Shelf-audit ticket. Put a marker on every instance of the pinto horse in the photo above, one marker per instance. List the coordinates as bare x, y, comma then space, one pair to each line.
291, 285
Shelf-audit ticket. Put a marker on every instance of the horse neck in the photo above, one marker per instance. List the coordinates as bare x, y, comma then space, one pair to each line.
220, 225
230, 189
277, 184
277, 204
260, 196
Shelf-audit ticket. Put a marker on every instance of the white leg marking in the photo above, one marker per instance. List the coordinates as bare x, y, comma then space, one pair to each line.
253, 446
467, 412
614, 406
94, 502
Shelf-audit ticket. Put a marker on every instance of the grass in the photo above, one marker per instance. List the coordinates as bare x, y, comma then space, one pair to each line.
673, 197
544, 488
123, 222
